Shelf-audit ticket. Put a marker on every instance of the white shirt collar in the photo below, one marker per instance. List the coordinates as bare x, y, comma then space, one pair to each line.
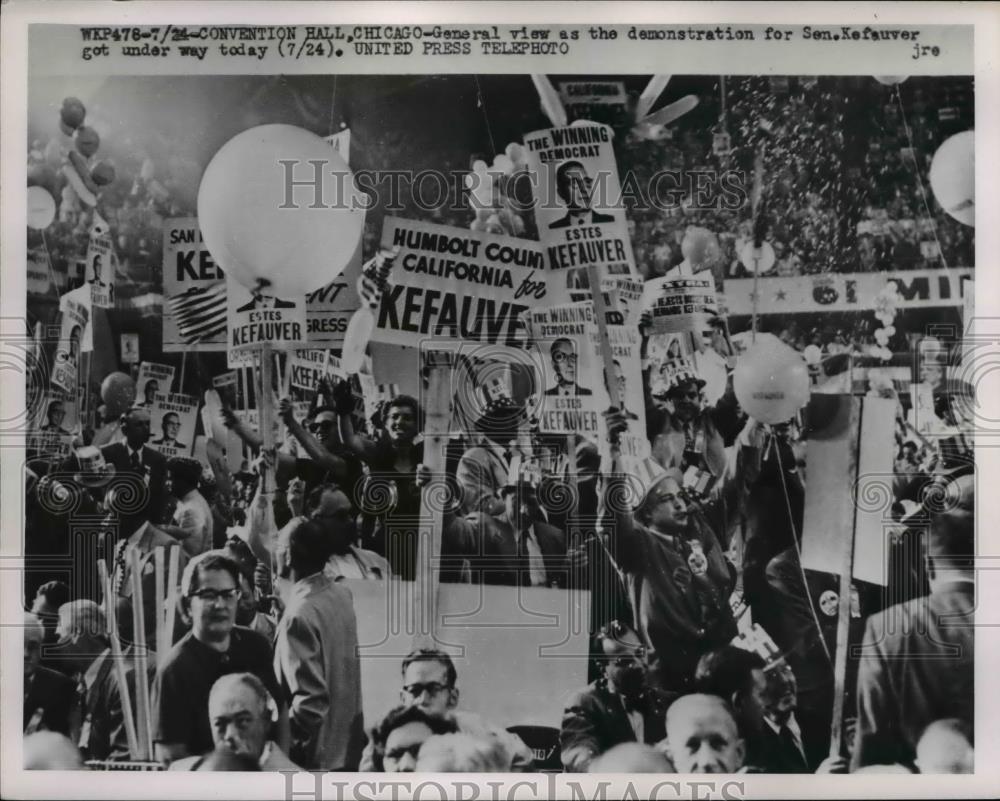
265, 754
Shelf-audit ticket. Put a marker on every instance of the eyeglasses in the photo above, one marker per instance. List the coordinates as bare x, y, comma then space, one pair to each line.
210, 596
432, 688
560, 356
322, 425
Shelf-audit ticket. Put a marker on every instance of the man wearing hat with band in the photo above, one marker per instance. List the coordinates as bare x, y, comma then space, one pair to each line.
677, 579
687, 437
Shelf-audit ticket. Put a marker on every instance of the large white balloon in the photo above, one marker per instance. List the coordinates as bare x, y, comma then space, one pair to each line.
359, 332
890, 80
953, 176
280, 211
771, 382
760, 259
41, 208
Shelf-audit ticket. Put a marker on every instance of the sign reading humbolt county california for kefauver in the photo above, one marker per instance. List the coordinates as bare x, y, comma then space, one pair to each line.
454, 284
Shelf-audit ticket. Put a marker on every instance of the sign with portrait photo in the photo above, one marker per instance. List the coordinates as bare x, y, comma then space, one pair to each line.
173, 419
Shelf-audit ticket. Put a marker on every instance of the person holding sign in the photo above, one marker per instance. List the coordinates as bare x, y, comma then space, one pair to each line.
677, 579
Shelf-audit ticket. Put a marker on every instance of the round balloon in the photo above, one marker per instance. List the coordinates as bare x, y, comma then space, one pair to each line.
87, 141
771, 382
43, 175
265, 221
53, 154
118, 393
41, 208
72, 113
103, 173
760, 260
953, 176
890, 80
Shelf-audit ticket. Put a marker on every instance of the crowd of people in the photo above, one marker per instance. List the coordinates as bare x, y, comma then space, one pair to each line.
710, 642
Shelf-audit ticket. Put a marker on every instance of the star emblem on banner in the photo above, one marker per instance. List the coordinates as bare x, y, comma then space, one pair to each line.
781, 295
754, 297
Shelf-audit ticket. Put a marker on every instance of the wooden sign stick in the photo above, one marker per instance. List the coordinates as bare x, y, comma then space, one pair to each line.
158, 563
436, 426
143, 725
117, 659
171, 611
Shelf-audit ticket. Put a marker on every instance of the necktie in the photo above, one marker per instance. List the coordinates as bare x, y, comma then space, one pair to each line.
136, 463
792, 747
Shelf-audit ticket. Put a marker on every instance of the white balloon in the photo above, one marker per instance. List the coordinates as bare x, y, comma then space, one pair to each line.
269, 234
503, 163
890, 80
953, 176
761, 258
41, 208
359, 332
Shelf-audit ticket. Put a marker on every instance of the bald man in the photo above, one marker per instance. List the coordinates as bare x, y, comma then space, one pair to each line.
946, 747
702, 736
631, 758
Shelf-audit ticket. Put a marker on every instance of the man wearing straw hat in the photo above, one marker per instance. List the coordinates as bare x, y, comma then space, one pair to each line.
676, 576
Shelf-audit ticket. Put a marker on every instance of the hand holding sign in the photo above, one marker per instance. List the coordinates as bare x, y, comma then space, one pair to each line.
372, 283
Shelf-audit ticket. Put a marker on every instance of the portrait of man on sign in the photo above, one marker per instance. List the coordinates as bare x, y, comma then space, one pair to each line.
574, 188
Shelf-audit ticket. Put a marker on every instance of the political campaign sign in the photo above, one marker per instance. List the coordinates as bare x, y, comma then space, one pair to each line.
570, 369
459, 285
227, 385
578, 210
129, 348
256, 320
173, 421
680, 304
100, 269
306, 367
153, 379
75, 320
194, 290
51, 433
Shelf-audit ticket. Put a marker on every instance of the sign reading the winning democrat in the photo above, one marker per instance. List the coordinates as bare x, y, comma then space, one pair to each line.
455, 284
173, 420
581, 221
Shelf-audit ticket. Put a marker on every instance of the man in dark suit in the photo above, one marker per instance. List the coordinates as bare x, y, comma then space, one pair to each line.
48, 695
134, 457
517, 547
258, 302
780, 737
617, 708
917, 658
574, 187
564, 363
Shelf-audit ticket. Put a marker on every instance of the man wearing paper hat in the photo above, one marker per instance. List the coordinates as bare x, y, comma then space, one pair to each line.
676, 576
93, 470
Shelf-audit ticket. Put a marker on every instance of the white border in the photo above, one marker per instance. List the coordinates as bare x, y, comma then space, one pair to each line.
13, 145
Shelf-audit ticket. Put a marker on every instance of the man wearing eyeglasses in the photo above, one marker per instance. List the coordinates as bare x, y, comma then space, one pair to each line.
564, 364
215, 646
430, 683
620, 707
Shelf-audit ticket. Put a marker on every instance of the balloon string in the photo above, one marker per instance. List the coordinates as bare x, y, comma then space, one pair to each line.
48, 263
916, 173
798, 550
486, 117
333, 104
